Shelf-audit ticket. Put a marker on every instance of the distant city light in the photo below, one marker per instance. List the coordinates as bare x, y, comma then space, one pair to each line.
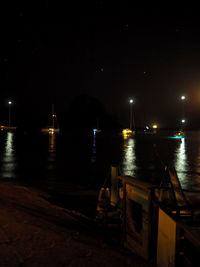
182, 97
9, 102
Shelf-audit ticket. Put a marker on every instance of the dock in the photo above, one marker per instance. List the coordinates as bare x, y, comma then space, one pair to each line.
158, 223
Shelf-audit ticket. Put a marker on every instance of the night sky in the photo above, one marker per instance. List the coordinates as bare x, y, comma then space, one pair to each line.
52, 53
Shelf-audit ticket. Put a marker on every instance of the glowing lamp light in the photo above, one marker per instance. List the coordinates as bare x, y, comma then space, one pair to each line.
155, 126
9, 102
127, 132
131, 101
183, 121
51, 130
182, 97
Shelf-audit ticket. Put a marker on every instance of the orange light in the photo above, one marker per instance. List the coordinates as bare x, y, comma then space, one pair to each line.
51, 131
127, 132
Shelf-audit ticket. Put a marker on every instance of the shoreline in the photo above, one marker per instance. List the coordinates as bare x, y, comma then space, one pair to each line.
36, 232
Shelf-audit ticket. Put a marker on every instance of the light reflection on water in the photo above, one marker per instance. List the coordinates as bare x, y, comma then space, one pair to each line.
187, 161
52, 144
94, 151
129, 159
181, 164
183, 154
53, 157
51, 161
8, 162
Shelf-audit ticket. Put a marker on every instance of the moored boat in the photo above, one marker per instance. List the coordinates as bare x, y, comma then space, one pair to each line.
51, 129
130, 132
179, 134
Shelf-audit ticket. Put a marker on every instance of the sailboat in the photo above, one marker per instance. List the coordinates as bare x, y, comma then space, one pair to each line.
130, 132
51, 129
181, 132
97, 130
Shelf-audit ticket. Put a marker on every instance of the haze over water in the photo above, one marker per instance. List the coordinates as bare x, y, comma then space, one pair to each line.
85, 160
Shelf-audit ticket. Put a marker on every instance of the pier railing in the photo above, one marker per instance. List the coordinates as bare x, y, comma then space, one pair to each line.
156, 228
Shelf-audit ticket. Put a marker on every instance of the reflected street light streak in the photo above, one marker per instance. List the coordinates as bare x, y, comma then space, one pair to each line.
93, 157
52, 144
52, 152
181, 162
129, 159
8, 160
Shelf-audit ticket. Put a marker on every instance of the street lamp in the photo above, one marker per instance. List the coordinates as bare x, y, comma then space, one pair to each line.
131, 114
183, 98
9, 115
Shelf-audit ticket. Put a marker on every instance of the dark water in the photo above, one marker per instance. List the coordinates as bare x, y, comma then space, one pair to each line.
41, 160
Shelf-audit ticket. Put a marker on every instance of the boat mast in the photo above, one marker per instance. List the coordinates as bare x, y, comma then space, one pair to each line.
132, 123
53, 116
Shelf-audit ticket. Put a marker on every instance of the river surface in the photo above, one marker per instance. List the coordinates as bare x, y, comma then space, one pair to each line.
39, 160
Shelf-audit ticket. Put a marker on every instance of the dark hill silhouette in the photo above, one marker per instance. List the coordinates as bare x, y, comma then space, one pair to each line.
85, 113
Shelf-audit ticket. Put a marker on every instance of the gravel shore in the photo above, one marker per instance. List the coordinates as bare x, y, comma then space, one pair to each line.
34, 232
